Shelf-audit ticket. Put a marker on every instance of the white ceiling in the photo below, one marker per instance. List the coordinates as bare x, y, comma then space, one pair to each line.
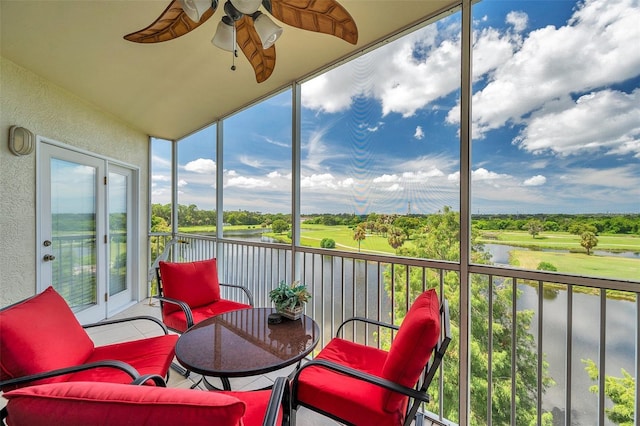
174, 88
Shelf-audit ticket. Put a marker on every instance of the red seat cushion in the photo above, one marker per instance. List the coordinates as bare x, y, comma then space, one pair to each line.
85, 403
41, 334
177, 320
412, 347
353, 400
256, 403
195, 283
151, 355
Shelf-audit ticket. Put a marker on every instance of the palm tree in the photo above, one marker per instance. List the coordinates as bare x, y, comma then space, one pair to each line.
396, 237
588, 240
359, 234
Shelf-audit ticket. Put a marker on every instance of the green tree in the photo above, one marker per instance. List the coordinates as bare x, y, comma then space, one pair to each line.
588, 240
620, 390
359, 234
328, 243
534, 227
396, 237
279, 226
442, 241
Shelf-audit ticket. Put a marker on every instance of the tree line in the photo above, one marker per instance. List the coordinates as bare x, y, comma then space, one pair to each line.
191, 215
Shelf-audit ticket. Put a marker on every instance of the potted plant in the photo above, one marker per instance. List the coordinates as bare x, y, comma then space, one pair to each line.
289, 299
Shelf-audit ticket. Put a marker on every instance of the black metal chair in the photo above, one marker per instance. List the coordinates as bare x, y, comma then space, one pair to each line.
190, 292
362, 385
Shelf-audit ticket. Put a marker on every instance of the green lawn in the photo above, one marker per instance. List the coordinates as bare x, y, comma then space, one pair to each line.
343, 236
560, 240
580, 264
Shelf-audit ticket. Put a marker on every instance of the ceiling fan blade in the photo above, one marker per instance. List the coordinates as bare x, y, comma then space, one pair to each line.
322, 16
172, 23
262, 60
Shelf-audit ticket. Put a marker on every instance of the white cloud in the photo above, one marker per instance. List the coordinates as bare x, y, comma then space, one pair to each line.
201, 165
483, 174
276, 143
246, 160
394, 188
160, 178
535, 181
519, 20
347, 183
419, 133
608, 120
597, 47
386, 178
324, 180
182, 182
422, 175
392, 74
246, 182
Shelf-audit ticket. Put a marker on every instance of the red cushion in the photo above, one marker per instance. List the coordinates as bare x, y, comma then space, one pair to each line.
353, 400
256, 403
151, 355
195, 283
177, 320
41, 334
412, 347
85, 403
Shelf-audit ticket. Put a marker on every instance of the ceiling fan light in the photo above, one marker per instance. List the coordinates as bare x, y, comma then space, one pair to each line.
268, 31
195, 8
223, 37
246, 6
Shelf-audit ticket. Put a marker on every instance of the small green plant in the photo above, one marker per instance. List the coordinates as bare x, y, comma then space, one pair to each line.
288, 296
328, 243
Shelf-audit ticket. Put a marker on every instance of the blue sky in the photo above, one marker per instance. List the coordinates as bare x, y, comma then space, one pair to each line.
556, 122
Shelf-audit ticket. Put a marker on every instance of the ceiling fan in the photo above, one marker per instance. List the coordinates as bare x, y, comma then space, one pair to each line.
245, 26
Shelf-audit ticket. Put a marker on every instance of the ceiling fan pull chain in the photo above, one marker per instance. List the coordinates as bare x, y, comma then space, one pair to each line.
235, 49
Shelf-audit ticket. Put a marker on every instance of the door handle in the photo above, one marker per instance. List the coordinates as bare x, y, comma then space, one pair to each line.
48, 257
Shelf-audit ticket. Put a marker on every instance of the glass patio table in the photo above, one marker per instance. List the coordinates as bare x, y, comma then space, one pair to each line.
243, 343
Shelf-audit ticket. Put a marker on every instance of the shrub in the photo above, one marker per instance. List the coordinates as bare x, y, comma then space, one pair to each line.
546, 266
328, 243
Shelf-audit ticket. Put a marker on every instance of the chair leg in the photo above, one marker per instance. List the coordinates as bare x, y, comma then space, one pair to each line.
181, 370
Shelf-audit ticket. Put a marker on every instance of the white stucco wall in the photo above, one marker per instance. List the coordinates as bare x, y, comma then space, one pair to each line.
47, 110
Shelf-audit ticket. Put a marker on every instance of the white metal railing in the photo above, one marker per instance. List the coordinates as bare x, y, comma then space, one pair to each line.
561, 321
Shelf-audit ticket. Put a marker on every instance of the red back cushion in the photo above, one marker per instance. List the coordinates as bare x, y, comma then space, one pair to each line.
41, 334
195, 283
85, 403
412, 346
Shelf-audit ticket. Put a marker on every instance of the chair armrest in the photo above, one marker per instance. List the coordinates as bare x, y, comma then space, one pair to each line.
156, 379
185, 308
280, 400
121, 320
368, 321
119, 365
243, 288
370, 378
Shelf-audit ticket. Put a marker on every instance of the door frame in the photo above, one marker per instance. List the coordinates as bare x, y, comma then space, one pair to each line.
102, 257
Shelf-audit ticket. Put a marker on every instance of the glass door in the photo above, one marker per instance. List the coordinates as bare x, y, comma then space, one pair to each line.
71, 187
87, 217
121, 247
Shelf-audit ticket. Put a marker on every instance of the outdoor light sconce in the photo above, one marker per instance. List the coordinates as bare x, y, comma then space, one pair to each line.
21, 141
